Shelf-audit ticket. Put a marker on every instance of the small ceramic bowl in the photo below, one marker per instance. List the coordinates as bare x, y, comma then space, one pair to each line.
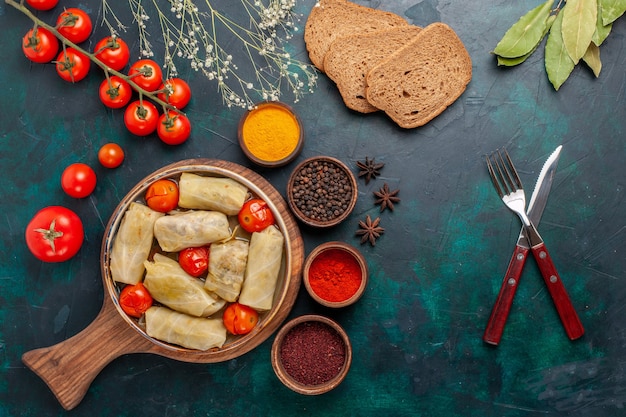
311, 354
321, 191
271, 134
331, 287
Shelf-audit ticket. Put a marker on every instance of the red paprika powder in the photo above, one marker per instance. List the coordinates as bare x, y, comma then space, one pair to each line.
334, 275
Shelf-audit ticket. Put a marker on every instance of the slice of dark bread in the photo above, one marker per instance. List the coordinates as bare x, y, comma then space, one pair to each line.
350, 58
330, 19
420, 80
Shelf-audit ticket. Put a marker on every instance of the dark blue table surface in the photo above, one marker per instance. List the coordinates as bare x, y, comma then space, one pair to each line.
435, 272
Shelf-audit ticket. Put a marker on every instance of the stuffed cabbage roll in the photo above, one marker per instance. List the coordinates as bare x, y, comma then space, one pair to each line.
190, 229
169, 284
211, 193
133, 243
264, 261
178, 328
227, 266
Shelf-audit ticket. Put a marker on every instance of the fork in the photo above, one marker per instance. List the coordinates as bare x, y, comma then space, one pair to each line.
509, 187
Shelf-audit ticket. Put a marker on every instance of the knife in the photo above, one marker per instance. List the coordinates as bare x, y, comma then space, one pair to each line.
538, 200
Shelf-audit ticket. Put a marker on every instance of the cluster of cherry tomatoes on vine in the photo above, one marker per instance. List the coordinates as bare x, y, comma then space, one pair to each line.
72, 63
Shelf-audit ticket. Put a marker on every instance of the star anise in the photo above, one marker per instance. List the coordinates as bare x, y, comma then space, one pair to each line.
386, 198
369, 230
369, 168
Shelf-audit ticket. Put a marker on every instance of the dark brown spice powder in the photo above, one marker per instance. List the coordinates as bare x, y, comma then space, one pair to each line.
312, 353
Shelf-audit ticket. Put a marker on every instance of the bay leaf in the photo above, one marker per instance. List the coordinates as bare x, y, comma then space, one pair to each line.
602, 31
578, 26
611, 10
510, 62
525, 34
592, 59
558, 63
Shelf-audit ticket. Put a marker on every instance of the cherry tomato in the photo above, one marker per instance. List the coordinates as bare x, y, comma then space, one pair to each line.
176, 92
40, 45
78, 180
112, 52
194, 261
141, 118
146, 74
255, 215
135, 299
42, 4
173, 128
162, 195
111, 155
54, 234
72, 65
74, 24
115, 93
239, 318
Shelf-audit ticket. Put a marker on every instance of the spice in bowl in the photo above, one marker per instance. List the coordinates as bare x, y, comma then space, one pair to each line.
335, 274
271, 134
311, 354
321, 191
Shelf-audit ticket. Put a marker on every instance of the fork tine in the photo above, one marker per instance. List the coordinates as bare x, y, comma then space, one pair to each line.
493, 175
511, 170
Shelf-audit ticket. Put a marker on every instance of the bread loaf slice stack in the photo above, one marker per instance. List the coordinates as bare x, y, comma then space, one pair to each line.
380, 62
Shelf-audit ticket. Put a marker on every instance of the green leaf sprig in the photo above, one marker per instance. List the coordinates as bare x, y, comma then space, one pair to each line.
575, 29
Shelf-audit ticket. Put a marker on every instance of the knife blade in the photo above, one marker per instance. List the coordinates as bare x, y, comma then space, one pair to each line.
536, 205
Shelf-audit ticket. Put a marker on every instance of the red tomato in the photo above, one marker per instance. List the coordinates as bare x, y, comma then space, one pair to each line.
194, 261
111, 155
40, 45
135, 299
141, 118
162, 195
54, 234
74, 24
115, 93
72, 65
112, 52
173, 128
255, 215
239, 318
176, 92
42, 4
146, 74
78, 180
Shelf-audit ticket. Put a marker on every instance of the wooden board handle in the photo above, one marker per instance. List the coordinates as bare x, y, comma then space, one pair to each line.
69, 367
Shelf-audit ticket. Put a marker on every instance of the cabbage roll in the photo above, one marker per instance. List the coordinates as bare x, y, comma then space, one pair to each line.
211, 193
133, 243
190, 229
264, 261
169, 284
178, 328
227, 266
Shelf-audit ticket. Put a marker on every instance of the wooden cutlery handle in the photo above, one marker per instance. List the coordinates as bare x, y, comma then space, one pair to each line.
562, 302
502, 306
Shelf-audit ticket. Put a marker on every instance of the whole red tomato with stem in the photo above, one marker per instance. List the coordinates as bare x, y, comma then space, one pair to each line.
42, 4
72, 65
111, 155
74, 24
162, 195
135, 299
40, 45
115, 92
173, 128
141, 117
146, 74
239, 318
78, 180
112, 52
194, 261
175, 91
255, 215
54, 234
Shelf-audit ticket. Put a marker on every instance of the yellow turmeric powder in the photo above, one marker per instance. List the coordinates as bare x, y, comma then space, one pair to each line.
271, 132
